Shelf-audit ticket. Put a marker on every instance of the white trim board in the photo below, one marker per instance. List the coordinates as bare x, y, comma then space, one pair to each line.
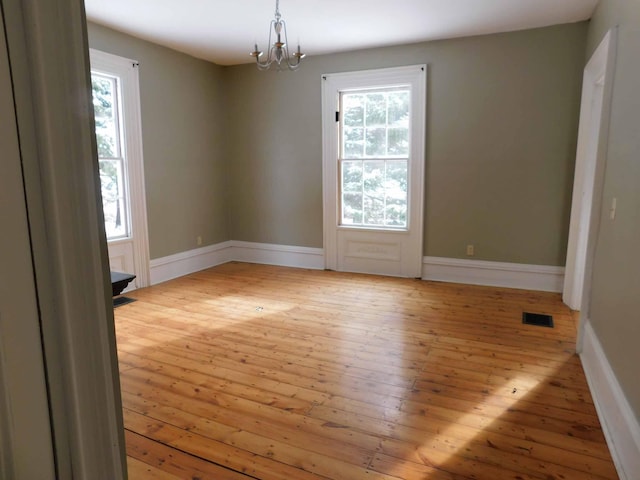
283, 255
621, 427
474, 272
586, 203
496, 274
184, 263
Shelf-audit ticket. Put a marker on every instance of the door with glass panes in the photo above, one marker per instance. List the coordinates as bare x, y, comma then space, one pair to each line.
374, 129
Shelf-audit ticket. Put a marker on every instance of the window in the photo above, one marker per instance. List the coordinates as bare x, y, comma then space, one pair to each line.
374, 157
111, 154
116, 101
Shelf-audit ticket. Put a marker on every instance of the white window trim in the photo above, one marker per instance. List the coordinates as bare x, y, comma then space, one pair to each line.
332, 84
127, 71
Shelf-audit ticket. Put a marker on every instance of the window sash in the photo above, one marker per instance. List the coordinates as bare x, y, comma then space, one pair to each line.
111, 156
373, 160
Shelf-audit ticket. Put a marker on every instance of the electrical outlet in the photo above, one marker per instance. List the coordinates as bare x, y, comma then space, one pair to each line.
199, 240
470, 250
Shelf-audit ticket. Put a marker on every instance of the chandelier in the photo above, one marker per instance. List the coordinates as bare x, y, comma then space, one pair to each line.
278, 52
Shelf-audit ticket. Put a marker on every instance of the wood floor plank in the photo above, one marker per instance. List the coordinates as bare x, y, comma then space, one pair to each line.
335, 440
432, 416
273, 373
175, 462
139, 470
295, 355
239, 460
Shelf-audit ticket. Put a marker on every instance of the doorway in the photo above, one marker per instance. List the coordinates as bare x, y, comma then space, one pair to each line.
586, 203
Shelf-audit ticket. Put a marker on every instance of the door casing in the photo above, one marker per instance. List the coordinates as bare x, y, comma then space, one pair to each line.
587, 202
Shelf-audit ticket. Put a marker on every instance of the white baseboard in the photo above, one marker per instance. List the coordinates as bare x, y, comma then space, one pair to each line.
184, 263
283, 255
476, 272
496, 274
621, 427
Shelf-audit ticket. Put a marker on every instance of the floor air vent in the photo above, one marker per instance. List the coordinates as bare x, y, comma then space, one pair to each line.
537, 319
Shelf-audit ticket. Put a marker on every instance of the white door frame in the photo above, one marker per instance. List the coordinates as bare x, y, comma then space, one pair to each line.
138, 245
412, 252
586, 203
52, 94
26, 440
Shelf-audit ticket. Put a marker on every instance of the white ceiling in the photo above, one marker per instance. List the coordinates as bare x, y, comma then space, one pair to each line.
225, 31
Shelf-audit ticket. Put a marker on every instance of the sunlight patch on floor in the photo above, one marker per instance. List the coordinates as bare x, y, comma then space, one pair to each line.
439, 449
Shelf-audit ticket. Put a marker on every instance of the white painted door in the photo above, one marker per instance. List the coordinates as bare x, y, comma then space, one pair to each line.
373, 161
26, 446
116, 101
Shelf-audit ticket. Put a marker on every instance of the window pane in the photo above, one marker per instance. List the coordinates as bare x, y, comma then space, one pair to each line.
353, 107
398, 104
104, 105
374, 192
352, 176
398, 142
353, 142
113, 201
396, 194
376, 142
352, 208
376, 109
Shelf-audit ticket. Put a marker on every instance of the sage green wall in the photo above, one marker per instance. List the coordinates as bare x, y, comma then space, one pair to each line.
502, 120
183, 116
615, 296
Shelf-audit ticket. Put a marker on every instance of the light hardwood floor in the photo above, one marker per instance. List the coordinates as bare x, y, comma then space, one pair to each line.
252, 371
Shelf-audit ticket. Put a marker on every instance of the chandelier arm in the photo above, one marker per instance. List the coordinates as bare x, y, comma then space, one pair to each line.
269, 60
292, 66
263, 66
289, 64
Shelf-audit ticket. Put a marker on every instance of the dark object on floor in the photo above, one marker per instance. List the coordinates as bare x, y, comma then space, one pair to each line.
119, 282
118, 301
537, 319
